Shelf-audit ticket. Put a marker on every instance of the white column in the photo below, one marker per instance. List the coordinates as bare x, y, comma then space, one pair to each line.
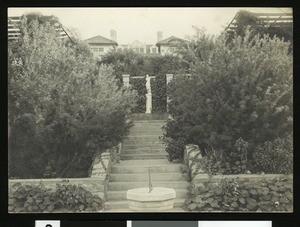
148, 95
126, 80
169, 77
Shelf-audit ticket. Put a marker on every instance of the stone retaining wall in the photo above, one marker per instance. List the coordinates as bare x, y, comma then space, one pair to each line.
192, 156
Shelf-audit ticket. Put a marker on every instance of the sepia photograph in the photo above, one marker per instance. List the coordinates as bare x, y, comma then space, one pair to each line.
150, 109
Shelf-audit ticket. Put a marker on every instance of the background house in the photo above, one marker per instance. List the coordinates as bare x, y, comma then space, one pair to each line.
101, 45
139, 47
169, 45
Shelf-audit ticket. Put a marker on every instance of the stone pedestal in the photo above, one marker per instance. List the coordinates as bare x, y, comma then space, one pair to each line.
159, 199
148, 103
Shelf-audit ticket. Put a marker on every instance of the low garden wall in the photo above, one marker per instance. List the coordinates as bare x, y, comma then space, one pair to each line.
237, 192
65, 194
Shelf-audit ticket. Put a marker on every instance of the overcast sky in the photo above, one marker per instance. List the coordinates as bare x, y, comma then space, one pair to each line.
142, 24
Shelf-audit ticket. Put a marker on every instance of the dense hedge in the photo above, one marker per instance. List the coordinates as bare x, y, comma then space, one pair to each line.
65, 198
241, 194
159, 95
139, 84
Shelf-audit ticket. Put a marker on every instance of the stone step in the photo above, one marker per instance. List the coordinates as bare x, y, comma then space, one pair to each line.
121, 195
144, 151
144, 169
143, 156
143, 138
123, 204
142, 142
145, 177
155, 131
146, 133
120, 186
152, 122
151, 126
145, 162
145, 147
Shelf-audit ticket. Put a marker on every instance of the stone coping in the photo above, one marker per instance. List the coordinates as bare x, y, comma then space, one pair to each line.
200, 177
55, 180
157, 194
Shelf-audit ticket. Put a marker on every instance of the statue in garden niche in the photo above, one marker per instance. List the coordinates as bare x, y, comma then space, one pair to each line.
148, 86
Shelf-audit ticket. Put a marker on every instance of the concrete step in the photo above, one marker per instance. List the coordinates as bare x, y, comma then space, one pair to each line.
146, 126
121, 195
143, 138
145, 177
143, 156
120, 186
152, 162
151, 122
144, 151
123, 204
145, 147
146, 131
144, 169
142, 143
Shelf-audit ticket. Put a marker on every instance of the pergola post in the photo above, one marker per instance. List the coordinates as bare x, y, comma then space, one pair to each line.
169, 77
148, 95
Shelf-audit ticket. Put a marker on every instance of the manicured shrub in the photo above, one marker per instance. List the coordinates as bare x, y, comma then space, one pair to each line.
65, 198
275, 156
241, 194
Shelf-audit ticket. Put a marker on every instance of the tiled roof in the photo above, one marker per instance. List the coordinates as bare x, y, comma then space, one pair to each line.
100, 40
169, 40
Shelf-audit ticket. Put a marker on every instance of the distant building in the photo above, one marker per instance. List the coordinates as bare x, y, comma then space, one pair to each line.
169, 45
100, 45
139, 47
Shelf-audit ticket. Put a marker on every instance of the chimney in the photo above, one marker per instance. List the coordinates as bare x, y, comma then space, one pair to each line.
159, 36
113, 35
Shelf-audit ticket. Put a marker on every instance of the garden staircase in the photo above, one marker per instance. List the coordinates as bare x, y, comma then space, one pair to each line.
142, 150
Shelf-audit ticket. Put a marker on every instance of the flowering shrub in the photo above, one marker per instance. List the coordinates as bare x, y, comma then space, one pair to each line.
275, 156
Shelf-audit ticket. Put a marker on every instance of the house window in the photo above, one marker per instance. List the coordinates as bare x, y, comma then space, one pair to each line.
154, 50
95, 49
101, 50
136, 49
141, 50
